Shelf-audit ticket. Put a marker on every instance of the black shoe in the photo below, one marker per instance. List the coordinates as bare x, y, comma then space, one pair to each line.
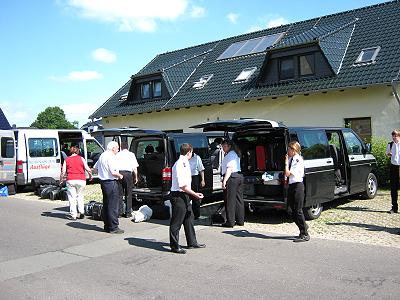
302, 238
81, 216
106, 229
197, 246
117, 231
227, 225
178, 250
70, 217
392, 211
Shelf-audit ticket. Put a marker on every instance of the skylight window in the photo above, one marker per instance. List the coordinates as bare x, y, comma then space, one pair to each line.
245, 75
202, 81
368, 55
123, 97
251, 46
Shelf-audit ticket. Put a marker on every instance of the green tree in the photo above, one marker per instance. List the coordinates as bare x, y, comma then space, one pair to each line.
53, 118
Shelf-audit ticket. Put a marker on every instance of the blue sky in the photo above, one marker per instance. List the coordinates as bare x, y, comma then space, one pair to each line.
77, 53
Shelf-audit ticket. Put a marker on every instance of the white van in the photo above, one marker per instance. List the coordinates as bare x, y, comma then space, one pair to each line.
40, 151
7, 160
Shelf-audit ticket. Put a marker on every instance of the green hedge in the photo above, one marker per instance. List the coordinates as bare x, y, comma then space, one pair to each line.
378, 145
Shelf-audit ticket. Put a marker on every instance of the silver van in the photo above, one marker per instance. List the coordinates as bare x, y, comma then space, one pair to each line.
7, 160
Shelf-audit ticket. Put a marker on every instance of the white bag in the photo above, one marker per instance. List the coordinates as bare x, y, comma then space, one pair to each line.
143, 214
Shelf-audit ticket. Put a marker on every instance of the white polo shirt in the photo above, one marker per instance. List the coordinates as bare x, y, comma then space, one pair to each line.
106, 164
181, 175
126, 160
196, 164
296, 169
231, 160
395, 157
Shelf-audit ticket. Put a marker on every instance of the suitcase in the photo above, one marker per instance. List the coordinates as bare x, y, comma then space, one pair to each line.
160, 212
219, 217
46, 190
41, 181
97, 211
89, 208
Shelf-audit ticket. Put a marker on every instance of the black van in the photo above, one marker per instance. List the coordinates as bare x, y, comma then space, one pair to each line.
337, 162
157, 151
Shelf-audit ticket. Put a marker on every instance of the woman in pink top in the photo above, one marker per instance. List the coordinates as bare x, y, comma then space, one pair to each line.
73, 171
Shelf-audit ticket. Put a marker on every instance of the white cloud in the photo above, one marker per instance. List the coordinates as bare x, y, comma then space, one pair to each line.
254, 28
80, 111
197, 12
18, 113
104, 55
78, 76
277, 22
130, 15
232, 17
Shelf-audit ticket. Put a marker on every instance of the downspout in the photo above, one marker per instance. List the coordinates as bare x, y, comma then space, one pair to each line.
394, 83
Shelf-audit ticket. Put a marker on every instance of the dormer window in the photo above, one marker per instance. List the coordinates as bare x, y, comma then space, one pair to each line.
367, 55
156, 89
245, 75
286, 68
145, 90
202, 81
306, 65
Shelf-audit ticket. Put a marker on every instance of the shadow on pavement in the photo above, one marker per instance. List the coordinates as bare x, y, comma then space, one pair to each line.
364, 209
369, 227
149, 244
54, 215
246, 233
79, 225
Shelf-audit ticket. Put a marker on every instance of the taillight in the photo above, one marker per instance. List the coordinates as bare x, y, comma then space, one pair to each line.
167, 174
19, 166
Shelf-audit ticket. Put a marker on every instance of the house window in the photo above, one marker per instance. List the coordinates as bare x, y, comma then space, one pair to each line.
306, 65
123, 97
202, 81
362, 126
145, 91
245, 75
368, 55
157, 89
286, 68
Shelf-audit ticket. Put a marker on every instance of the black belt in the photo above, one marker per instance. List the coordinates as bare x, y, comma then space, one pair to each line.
108, 180
177, 193
125, 171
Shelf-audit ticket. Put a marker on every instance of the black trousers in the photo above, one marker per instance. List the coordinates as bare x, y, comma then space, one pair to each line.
181, 214
233, 199
196, 202
295, 200
111, 196
126, 190
394, 185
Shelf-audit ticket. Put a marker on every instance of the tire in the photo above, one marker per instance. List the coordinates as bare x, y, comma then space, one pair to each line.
313, 212
371, 187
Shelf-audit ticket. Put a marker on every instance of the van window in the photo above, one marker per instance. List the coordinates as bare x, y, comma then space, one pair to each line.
353, 144
7, 147
148, 148
94, 151
200, 145
43, 147
314, 144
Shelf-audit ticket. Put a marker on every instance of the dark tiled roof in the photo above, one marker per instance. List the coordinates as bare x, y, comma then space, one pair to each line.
340, 37
4, 124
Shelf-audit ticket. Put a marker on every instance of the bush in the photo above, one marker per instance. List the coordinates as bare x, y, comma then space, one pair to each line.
378, 145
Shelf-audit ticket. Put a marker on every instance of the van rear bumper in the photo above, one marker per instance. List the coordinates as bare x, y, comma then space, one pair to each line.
276, 203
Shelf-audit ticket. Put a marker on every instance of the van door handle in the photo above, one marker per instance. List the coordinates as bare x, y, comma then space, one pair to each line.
58, 160
328, 161
352, 157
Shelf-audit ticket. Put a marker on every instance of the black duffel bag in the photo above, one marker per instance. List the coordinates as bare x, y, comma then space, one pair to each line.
97, 210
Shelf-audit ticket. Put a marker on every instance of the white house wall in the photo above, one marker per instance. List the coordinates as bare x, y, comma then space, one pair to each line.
318, 109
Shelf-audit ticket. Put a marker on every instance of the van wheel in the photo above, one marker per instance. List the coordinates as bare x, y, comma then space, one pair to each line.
313, 212
371, 187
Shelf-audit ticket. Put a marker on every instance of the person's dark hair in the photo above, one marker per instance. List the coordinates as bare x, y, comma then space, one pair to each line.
74, 149
218, 140
160, 149
149, 149
233, 146
185, 148
124, 145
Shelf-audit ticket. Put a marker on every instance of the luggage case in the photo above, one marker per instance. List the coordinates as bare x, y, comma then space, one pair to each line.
46, 190
41, 181
97, 211
219, 217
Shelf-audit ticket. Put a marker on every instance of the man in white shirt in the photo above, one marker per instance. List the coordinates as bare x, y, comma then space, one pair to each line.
107, 170
181, 207
127, 166
393, 151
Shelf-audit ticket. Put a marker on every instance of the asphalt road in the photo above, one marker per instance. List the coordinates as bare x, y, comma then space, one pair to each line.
45, 256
